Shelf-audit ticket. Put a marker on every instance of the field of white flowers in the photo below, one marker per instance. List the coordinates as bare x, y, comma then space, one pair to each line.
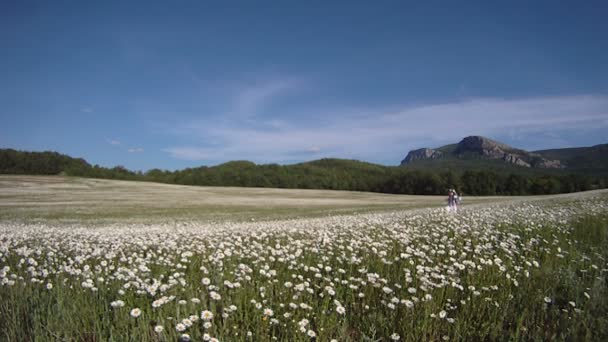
523, 270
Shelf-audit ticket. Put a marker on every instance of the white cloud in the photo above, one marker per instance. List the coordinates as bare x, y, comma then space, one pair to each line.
250, 99
114, 142
86, 110
389, 132
135, 150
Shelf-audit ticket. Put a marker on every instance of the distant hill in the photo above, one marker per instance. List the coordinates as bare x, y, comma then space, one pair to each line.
594, 157
40, 163
53, 163
475, 166
476, 152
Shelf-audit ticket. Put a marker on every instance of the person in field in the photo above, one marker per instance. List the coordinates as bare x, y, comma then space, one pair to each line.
453, 200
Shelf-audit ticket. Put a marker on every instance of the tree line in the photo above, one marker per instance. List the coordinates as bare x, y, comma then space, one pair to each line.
332, 174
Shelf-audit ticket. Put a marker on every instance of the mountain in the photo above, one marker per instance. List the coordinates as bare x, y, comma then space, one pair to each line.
478, 147
594, 157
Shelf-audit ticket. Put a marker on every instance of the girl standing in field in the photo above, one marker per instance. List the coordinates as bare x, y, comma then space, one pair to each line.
452, 200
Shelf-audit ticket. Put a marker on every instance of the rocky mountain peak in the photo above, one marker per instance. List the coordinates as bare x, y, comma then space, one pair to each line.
421, 153
481, 147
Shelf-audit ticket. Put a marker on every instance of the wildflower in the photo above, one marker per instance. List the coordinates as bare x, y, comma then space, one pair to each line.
341, 310
395, 337
268, 312
135, 313
159, 329
206, 315
179, 327
117, 304
547, 300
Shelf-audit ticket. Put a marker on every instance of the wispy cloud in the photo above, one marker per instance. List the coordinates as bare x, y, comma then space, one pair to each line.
86, 110
114, 142
188, 153
251, 98
373, 132
135, 150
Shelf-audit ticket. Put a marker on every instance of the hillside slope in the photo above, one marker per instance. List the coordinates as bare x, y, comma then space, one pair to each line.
580, 157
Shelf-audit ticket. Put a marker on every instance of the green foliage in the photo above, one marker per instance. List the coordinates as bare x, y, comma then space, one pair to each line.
471, 177
479, 183
40, 163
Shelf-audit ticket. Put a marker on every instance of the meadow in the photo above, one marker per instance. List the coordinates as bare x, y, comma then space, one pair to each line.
93, 260
95, 201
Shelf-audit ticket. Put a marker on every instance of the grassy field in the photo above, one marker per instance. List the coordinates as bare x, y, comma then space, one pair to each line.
97, 260
83, 199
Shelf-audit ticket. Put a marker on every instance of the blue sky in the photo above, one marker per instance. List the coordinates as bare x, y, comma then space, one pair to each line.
172, 84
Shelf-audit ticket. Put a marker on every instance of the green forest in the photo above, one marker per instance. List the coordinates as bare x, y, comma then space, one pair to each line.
333, 174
